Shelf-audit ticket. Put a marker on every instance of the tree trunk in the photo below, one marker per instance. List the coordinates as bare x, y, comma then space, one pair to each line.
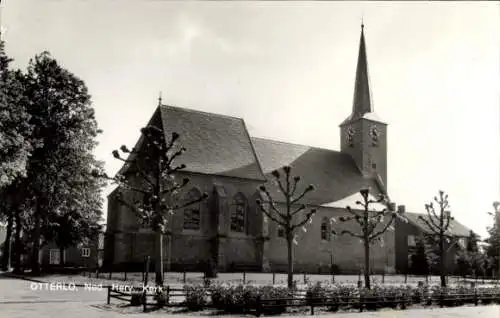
17, 242
367, 264
442, 261
6, 257
35, 265
159, 258
61, 256
289, 242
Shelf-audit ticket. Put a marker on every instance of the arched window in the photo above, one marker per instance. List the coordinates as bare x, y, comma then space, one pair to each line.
192, 214
238, 213
325, 230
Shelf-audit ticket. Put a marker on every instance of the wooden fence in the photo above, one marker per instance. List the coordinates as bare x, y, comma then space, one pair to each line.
175, 297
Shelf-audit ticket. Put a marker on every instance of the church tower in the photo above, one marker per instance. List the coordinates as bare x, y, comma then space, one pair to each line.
364, 135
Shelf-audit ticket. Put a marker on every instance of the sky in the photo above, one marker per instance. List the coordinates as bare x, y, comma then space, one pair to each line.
288, 69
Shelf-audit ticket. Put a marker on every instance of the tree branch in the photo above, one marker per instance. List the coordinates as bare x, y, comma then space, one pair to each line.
356, 216
383, 230
268, 214
432, 227
185, 205
300, 208
294, 187
359, 236
307, 218
430, 210
271, 202
306, 190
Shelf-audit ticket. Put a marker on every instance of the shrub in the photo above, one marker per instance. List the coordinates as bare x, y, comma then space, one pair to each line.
217, 295
347, 296
161, 297
234, 299
195, 297
277, 297
137, 298
316, 294
371, 298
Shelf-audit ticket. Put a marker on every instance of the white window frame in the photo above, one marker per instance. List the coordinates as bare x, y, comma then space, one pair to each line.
54, 256
462, 242
411, 241
85, 252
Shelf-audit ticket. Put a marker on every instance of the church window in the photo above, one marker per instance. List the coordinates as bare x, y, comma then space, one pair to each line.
192, 215
325, 233
374, 166
238, 213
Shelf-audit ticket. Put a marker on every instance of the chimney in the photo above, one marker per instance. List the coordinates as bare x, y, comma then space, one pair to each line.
401, 209
391, 206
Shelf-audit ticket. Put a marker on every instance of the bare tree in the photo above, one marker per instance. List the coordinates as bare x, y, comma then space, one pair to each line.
438, 224
369, 222
152, 167
288, 218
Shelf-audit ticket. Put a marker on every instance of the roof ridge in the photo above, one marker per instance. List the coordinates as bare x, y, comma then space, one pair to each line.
192, 110
253, 149
295, 144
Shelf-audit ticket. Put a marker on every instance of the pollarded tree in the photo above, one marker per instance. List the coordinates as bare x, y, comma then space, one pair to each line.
152, 175
289, 218
439, 224
369, 222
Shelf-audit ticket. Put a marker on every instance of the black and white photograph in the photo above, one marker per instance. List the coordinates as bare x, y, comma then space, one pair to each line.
249, 158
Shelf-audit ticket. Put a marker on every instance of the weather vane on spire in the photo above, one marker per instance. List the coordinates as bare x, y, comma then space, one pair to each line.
362, 22
159, 97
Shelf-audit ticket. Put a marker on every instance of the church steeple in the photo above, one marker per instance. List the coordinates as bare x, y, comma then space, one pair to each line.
362, 106
364, 135
362, 103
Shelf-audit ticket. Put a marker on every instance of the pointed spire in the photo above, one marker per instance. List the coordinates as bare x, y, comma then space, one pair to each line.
362, 103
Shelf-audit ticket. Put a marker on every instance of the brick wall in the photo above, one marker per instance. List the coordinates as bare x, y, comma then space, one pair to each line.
192, 247
311, 252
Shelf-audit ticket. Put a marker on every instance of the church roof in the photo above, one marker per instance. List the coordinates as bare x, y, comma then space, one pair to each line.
334, 174
351, 202
455, 229
216, 144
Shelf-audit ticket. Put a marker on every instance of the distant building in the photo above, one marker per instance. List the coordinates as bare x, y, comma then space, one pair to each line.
83, 255
407, 235
3, 233
224, 161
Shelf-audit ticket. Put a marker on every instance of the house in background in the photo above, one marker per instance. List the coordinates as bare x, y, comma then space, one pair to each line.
86, 255
408, 233
3, 233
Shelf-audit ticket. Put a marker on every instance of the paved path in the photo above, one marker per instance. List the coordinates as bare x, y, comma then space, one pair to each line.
18, 299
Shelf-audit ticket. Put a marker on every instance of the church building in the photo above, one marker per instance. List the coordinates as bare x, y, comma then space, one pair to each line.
223, 160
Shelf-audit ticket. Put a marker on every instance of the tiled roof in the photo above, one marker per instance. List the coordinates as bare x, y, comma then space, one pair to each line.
455, 229
334, 174
215, 144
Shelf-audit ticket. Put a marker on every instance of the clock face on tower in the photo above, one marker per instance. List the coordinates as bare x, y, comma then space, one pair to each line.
350, 136
374, 135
